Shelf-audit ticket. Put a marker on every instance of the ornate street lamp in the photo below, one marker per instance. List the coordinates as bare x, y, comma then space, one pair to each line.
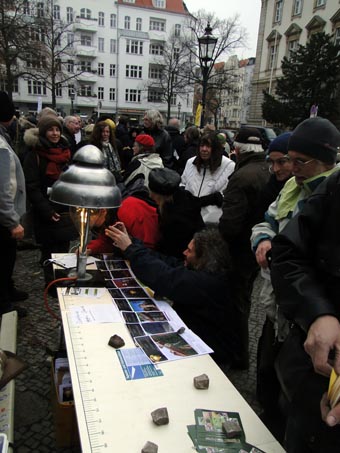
206, 44
179, 106
72, 96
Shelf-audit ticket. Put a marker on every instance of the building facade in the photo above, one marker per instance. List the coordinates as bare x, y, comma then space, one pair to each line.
284, 24
116, 46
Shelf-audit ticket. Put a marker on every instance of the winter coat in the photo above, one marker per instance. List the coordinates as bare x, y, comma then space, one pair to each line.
201, 299
140, 167
203, 182
163, 145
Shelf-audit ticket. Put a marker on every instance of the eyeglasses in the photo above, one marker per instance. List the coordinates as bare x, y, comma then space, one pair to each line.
300, 162
279, 162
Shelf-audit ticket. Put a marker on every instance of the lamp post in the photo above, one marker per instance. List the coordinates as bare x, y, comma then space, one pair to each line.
72, 96
206, 44
179, 106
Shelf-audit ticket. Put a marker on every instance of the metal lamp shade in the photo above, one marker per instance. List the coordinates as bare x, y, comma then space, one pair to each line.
86, 183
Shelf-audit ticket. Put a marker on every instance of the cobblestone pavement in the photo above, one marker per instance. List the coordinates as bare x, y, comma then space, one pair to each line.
39, 332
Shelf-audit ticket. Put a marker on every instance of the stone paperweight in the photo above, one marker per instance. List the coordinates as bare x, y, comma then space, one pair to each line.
201, 382
160, 416
150, 447
116, 342
232, 428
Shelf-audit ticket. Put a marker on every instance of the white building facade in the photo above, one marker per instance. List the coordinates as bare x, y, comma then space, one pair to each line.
283, 25
116, 45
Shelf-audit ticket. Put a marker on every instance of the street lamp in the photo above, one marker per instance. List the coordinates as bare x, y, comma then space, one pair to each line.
72, 96
179, 106
206, 44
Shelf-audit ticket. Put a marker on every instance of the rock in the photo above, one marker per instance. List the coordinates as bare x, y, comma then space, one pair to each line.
116, 342
201, 382
160, 416
232, 428
150, 447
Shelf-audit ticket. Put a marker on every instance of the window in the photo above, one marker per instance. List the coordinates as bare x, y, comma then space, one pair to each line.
71, 90
101, 20
272, 57
85, 40
155, 72
177, 30
101, 93
70, 66
26, 9
133, 71
129, 1
319, 3
35, 87
292, 47
113, 21
4, 85
127, 21
337, 36
100, 69
159, 3
139, 24
59, 90
58, 64
40, 10
85, 66
156, 49
157, 24
134, 47
100, 44
69, 15
85, 90
70, 39
297, 9
57, 40
85, 13
155, 95
56, 12
112, 70
36, 63
112, 94
113, 46
278, 10
132, 95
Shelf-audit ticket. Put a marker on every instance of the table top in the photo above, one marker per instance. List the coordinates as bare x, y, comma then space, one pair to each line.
114, 414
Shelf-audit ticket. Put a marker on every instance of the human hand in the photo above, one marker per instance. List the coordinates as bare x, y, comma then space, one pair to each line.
55, 217
323, 336
18, 232
121, 227
330, 416
260, 254
119, 237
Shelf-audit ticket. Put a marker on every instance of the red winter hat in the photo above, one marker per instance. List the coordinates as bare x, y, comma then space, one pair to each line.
145, 140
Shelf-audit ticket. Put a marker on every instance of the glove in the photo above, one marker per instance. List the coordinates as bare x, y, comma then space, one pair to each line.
215, 198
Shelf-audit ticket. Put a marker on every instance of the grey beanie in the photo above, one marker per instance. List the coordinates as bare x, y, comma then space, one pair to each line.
317, 138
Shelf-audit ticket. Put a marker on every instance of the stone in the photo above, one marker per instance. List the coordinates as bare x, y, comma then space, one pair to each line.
201, 382
160, 416
116, 342
232, 428
150, 447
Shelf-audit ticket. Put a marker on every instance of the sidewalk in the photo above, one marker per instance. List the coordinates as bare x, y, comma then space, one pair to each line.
34, 430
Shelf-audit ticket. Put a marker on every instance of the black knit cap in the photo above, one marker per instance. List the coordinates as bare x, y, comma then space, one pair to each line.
7, 110
248, 135
163, 181
317, 138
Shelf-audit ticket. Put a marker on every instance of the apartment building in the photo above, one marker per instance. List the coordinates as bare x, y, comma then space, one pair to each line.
283, 25
118, 46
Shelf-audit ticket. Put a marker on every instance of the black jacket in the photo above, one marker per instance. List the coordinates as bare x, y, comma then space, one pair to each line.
163, 145
201, 299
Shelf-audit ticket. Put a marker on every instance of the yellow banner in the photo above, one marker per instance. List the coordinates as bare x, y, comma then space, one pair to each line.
198, 115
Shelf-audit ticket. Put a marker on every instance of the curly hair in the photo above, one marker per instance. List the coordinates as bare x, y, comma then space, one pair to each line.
192, 135
212, 251
210, 139
96, 136
155, 117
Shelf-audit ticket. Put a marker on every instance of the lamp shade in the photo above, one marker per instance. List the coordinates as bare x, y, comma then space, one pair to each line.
86, 183
207, 44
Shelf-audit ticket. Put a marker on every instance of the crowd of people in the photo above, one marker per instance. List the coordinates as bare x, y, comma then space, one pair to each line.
197, 223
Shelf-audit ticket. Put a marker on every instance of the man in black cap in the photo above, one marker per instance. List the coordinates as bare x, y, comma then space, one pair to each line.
239, 213
12, 207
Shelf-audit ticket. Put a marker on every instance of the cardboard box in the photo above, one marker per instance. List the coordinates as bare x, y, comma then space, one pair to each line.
65, 419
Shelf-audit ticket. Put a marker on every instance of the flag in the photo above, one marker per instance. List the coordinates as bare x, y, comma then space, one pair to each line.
198, 115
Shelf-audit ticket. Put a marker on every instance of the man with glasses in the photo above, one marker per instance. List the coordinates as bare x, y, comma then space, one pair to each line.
312, 155
70, 129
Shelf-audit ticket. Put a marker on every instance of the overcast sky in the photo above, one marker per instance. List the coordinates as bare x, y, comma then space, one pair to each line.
248, 10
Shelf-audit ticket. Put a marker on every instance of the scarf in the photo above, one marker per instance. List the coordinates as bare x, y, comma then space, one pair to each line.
290, 193
56, 158
111, 158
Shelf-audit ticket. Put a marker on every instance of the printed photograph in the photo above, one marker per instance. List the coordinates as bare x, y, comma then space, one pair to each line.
135, 330
150, 349
157, 327
122, 304
130, 316
126, 283
142, 305
151, 316
124, 273
133, 292
174, 344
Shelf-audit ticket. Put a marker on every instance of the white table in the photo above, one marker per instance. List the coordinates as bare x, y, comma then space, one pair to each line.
114, 414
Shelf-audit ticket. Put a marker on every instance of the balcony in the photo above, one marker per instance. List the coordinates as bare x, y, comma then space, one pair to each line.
88, 77
86, 51
87, 25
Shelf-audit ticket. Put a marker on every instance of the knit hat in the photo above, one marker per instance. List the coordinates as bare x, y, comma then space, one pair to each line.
280, 143
163, 181
317, 138
248, 135
46, 122
110, 123
145, 140
7, 110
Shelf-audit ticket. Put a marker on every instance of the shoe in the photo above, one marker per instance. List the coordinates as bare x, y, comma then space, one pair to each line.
18, 296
